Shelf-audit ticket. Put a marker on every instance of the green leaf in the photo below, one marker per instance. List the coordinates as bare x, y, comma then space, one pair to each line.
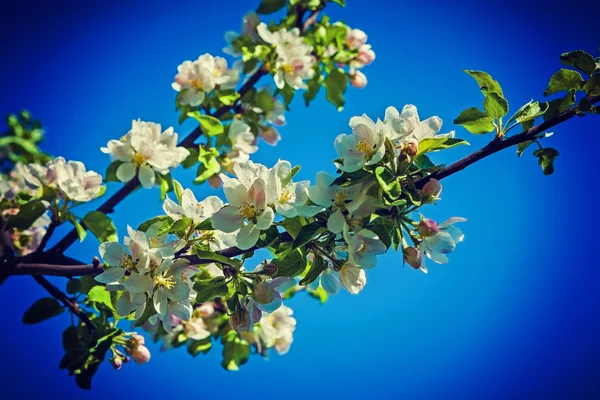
111, 172
438, 143
177, 228
485, 81
209, 255
270, 6
335, 84
495, 105
229, 97
307, 233
264, 100
209, 124
43, 309
528, 112
101, 226
579, 59
475, 121
340, 2
522, 146
196, 347
563, 81
292, 226
178, 189
546, 159
28, 214
313, 86
81, 231
207, 290
161, 218
286, 181
592, 87
290, 264
557, 106
99, 295
316, 267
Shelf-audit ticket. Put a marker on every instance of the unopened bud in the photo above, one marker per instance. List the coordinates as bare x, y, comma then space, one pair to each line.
413, 257
355, 38
117, 362
428, 227
263, 293
358, 80
411, 148
270, 135
365, 55
136, 340
206, 310
240, 321
140, 354
432, 190
126, 360
215, 181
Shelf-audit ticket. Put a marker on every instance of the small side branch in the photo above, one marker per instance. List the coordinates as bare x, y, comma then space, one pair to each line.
60, 296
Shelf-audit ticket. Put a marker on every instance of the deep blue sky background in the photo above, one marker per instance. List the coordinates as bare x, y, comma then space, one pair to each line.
514, 314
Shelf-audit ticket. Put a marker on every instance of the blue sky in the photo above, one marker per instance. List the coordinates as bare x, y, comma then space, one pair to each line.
514, 314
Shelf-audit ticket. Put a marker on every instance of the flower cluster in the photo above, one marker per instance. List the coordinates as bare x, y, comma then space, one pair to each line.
145, 269
295, 61
195, 79
145, 150
255, 195
70, 178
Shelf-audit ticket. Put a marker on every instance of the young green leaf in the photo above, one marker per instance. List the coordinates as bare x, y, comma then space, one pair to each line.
522, 146
316, 267
546, 159
475, 121
557, 106
438, 143
291, 264
485, 81
209, 255
28, 214
101, 226
111, 172
178, 189
235, 351
335, 84
209, 124
579, 59
307, 233
495, 105
563, 81
270, 6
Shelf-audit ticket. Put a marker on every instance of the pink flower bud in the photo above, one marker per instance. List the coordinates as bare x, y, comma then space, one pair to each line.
263, 293
365, 55
270, 269
413, 257
358, 80
428, 227
270, 135
137, 340
240, 321
432, 189
411, 148
355, 38
117, 362
215, 182
140, 354
126, 360
206, 310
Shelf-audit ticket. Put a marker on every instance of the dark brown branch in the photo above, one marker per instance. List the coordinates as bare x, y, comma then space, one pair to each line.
60, 296
496, 146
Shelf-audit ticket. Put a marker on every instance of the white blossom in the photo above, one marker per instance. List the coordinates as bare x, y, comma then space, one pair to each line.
289, 198
144, 150
77, 183
353, 278
406, 127
439, 240
364, 147
276, 329
363, 248
191, 208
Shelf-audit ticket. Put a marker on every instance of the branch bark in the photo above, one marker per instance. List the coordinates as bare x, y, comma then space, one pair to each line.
60, 296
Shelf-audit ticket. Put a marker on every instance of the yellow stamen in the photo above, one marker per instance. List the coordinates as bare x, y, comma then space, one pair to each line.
287, 68
286, 195
167, 282
139, 159
154, 242
247, 211
364, 147
196, 84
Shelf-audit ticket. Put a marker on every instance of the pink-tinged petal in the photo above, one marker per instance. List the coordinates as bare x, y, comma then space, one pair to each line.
258, 195
112, 253
441, 242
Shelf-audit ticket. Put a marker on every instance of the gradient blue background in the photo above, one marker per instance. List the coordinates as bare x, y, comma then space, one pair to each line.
514, 314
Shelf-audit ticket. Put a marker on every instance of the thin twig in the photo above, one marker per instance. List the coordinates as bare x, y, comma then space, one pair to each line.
47, 236
60, 296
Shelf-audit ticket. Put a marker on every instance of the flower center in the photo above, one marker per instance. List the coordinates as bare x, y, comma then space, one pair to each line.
340, 198
196, 84
154, 242
365, 147
247, 211
217, 73
167, 282
139, 159
286, 195
128, 263
287, 68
